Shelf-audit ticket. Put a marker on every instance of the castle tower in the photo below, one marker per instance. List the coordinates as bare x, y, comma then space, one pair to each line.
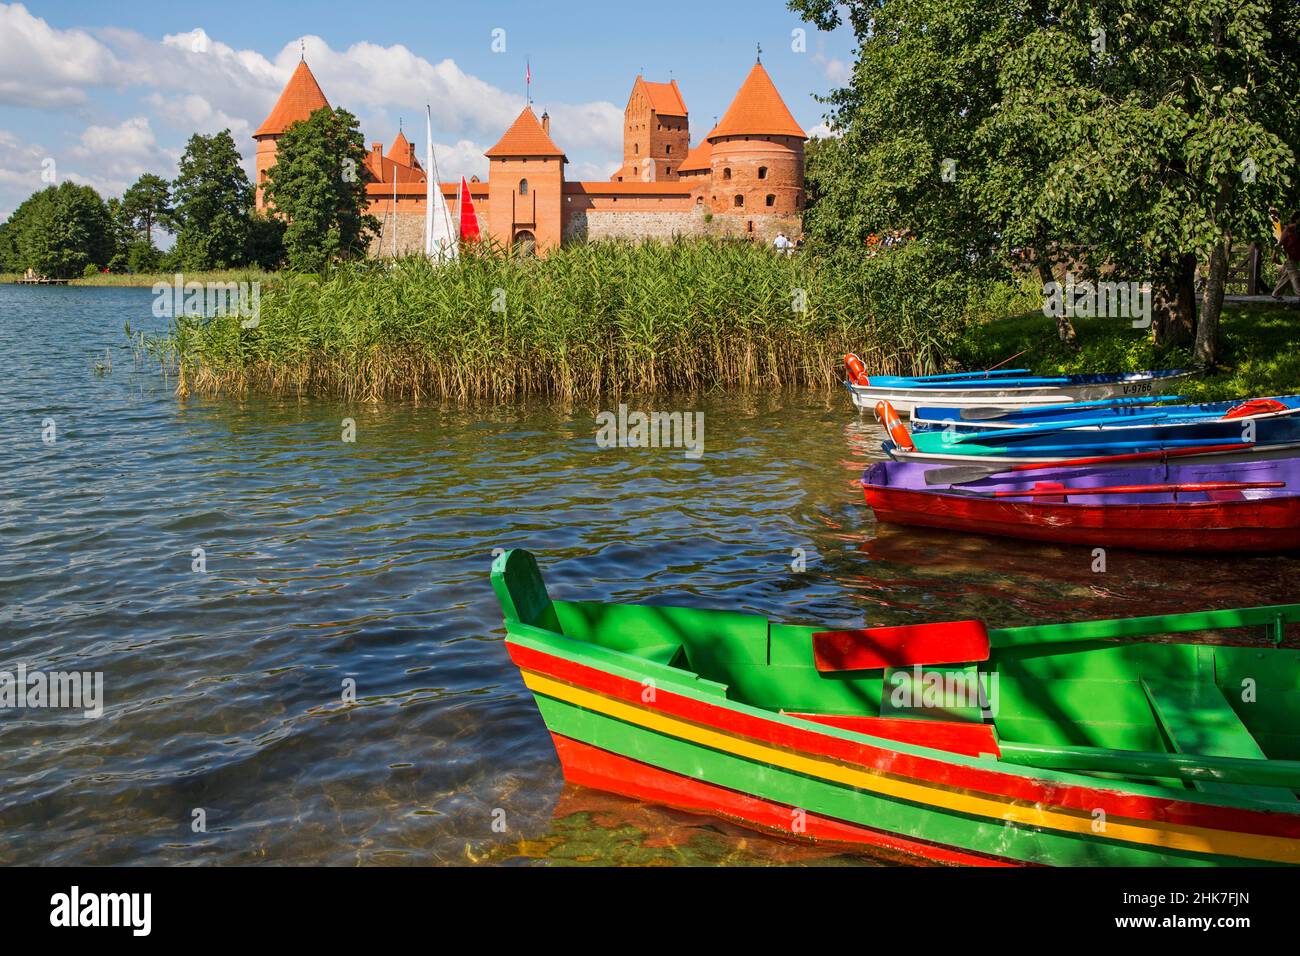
525, 182
301, 97
656, 133
757, 154
403, 151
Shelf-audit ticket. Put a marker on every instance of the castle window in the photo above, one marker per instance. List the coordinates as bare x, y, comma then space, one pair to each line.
762, 173
726, 172
636, 149
771, 200
740, 201
523, 187
667, 170
699, 200
670, 149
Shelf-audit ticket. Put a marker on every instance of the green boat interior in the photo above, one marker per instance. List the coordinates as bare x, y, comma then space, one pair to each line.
1131, 699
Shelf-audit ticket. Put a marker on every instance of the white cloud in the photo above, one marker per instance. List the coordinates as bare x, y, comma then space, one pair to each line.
43, 67
192, 82
464, 158
821, 131
837, 71
21, 168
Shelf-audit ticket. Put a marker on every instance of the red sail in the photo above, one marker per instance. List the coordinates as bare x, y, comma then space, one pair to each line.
468, 218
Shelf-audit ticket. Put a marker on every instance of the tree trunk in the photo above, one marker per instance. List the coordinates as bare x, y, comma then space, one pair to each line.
1207, 330
1183, 321
1064, 327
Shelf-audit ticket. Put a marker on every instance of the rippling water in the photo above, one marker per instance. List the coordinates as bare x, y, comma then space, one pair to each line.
329, 561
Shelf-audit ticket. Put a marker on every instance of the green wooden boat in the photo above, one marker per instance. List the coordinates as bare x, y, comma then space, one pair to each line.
1102, 742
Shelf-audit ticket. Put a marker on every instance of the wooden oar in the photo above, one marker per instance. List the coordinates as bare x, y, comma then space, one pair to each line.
1157, 489
959, 474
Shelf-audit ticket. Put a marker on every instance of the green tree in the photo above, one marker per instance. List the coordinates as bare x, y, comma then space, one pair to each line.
1142, 135
212, 197
318, 186
147, 202
1182, 133
59, 231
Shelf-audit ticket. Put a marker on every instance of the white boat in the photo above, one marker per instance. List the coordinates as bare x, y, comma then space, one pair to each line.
994, 390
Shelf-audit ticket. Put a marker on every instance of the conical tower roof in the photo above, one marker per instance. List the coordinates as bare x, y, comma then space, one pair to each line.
525, 137
302, 96
757, 110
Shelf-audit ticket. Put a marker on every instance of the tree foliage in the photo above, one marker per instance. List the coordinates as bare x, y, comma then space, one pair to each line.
318, 186
146, 203
213, 198
1139, 135
59, 232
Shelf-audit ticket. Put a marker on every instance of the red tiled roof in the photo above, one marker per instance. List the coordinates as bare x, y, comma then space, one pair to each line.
665, 98
525, 137
701, 157
385, 169
302, 96
758, 110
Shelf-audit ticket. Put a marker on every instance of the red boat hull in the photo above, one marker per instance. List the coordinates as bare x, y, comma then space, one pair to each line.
1249, 526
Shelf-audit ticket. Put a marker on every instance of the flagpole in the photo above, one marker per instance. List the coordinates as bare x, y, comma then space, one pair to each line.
428, 178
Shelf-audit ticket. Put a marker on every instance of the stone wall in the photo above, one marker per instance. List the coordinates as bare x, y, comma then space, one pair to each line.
595, 224
410, 234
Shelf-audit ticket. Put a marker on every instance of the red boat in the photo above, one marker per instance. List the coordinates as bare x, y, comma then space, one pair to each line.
1237, 506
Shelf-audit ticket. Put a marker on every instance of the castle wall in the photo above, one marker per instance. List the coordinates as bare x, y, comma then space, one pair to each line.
594, 224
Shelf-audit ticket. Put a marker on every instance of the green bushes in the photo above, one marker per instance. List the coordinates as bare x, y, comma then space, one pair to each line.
588, 319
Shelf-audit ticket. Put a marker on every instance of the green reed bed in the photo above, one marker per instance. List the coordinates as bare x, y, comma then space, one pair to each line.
589, 319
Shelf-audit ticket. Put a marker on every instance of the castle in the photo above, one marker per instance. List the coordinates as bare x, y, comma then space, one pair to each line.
744, 178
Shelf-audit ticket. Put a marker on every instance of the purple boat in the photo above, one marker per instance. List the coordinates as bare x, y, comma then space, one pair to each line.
1217, 506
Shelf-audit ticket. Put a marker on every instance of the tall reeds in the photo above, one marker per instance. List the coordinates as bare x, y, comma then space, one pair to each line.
589, 319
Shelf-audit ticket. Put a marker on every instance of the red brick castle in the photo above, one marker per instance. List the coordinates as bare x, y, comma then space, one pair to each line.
744, 178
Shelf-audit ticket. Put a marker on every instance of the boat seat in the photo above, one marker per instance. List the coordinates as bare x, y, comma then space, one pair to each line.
1198, 719
952, 642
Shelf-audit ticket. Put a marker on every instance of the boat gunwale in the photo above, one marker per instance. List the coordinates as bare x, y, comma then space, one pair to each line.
632, 667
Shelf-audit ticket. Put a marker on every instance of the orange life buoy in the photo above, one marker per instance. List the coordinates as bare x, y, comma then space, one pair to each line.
894, 425
857, 371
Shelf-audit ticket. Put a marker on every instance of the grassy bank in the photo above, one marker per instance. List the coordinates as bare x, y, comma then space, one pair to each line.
152, 278
1261, 350
601, 318
149, 279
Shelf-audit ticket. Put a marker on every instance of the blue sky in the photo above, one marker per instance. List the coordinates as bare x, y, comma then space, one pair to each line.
99, 93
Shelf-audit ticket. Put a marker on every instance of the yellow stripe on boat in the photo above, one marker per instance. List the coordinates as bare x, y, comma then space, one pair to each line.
1148, 832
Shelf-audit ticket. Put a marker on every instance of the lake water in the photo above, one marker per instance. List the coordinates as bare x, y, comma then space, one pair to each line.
325, 561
